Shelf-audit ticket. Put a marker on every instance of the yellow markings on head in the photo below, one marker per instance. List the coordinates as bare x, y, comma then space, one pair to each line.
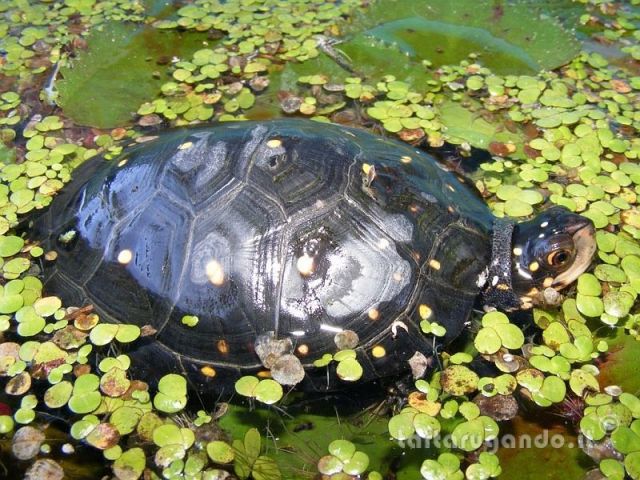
517, 251
405, 159
534, 266
435, 264
208, 371
122, 163
223, 346
125, 256
547, 282
303, 349
425, 311
374, 314
305, 265
215, 273
378, 351
274, 143
185, 145
366, 168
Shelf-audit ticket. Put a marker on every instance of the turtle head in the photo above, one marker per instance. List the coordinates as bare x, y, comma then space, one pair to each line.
550, 251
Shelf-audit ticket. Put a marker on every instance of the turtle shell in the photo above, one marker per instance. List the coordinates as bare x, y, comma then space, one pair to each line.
294, 227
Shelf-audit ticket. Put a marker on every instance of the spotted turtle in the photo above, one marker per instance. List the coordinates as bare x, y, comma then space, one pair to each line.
290, 239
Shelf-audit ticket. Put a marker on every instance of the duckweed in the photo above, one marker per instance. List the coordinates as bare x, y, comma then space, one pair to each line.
266, 391
446, 466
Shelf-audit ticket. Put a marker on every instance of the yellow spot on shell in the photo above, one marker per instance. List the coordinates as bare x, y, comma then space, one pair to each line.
547, 282
383, 243
517, 251
405, 159
378, 351
374, 314
215, 273
303, 349
185, 145
425, 311
274, 143
435, 264
125, 256
223, 346
534, 266
366, 168
305, 265
208, 371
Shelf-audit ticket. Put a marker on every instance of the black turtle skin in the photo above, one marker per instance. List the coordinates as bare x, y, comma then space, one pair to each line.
213, 221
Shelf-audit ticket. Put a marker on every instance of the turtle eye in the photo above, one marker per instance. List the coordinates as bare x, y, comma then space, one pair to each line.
559, 257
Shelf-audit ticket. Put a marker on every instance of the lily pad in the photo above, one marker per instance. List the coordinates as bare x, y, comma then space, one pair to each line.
107, 82
448, 32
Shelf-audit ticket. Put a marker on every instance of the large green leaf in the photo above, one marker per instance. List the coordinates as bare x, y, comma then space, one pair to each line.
510, 37
122, 68
303, 436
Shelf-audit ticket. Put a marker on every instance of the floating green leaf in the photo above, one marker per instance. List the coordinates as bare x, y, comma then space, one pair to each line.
93, 95
172, 393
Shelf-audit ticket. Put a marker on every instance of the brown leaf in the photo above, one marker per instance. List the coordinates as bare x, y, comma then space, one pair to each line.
69, 337
18, 385
103, 436
411, 135
26, 443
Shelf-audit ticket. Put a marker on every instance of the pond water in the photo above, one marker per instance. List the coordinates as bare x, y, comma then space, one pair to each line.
535, 103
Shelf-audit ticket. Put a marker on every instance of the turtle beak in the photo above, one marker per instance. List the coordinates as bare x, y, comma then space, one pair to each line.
584, 239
